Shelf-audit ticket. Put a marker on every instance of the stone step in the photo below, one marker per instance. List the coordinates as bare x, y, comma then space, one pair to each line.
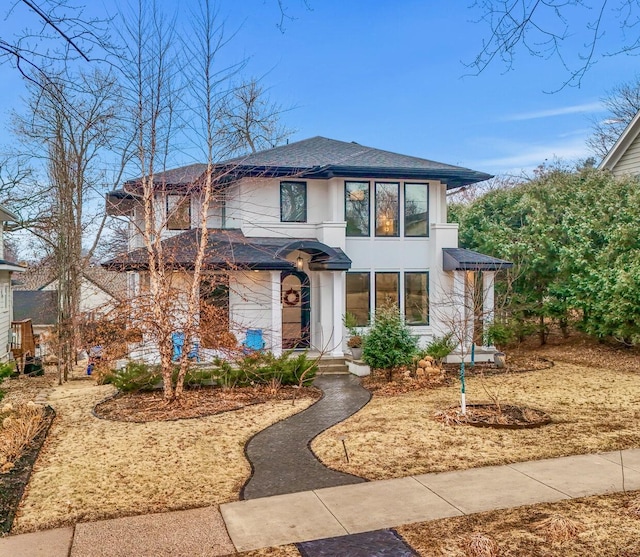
329, 366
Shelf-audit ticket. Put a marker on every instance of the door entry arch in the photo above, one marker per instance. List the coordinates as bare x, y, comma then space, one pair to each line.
295, 298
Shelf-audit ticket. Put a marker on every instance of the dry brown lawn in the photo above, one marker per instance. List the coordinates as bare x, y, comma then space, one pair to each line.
593, 409
608, 529
91, 468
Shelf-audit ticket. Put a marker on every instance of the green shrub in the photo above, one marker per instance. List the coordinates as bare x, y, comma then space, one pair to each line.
135, 376
440, 347
263, 367
500, 334
6, 370
389, 343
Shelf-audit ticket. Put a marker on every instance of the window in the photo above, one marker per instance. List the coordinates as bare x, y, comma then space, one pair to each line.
416, 209
357, 208
416, 298
387, 291
178, 212
293, 202
358, 296
387, 209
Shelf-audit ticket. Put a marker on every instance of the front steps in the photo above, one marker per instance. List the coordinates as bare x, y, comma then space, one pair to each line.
329, 365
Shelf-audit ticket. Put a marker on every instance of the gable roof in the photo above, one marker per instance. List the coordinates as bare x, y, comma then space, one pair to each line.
320, 157
627, 137
41, 276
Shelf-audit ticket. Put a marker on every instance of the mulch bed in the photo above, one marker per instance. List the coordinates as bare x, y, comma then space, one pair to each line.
149, 406
378, 384
489, 415
13, 483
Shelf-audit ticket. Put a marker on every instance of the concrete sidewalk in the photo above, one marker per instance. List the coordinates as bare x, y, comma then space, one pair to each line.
335, 511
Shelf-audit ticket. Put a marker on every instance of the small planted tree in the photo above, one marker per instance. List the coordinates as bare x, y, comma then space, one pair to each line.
389, 343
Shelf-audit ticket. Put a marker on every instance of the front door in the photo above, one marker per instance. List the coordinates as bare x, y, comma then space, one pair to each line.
296, 310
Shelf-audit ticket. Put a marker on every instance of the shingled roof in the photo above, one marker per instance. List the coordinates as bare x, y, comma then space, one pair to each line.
460, 259
320, 157
230, 249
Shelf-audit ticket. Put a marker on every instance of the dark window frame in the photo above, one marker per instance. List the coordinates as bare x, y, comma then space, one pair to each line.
306, 205
397, 274
368, 234
186, 199
375, 212
422, 324
404, 207
368, 273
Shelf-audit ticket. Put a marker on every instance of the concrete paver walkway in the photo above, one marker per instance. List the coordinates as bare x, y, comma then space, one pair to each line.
280, 456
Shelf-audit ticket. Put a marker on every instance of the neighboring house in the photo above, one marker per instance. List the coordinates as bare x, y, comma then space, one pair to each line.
303, 233
623, 159
35, 294
7, 268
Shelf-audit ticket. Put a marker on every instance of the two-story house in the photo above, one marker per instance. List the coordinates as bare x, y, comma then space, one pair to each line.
303, 233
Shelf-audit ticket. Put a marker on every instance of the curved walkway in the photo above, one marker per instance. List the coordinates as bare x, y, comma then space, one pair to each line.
280, 456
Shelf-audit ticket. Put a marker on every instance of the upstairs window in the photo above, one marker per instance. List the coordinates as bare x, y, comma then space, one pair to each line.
416, 209
293, 202
387, 208
357, 208
178, 212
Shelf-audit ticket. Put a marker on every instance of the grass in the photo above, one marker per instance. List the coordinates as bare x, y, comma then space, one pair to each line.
599, 525
92, 469
593, 409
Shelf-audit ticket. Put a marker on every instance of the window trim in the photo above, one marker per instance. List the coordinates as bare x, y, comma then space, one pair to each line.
375, 286
368, 273
170, 215
368, 182
375, 211
305, 218
404, 210
423, 324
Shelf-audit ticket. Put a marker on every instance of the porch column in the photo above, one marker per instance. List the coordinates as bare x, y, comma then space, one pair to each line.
460, 314
488, 302
276, 314
337, 278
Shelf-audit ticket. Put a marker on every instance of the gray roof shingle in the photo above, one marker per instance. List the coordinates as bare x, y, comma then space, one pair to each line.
320, 157
460, 259
231, 250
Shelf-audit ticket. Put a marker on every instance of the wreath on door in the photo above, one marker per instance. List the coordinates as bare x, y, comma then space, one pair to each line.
292, 297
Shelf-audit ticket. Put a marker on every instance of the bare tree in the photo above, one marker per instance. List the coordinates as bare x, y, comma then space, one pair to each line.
68, 129
59, 32
249, 120
569, 30
622, 103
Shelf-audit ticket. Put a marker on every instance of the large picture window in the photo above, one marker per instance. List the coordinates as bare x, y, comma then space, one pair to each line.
293, 201
387, 289
387, 208
416, 298
178, 212
416, 209
357, 208
358, 297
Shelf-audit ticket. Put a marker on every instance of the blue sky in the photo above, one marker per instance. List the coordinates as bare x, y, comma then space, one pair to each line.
391, 75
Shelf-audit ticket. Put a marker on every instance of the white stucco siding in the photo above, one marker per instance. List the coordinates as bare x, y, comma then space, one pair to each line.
629, 163
5, 313
250, 302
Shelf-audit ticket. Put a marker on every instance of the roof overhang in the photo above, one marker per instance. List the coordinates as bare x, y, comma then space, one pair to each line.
460, 259
10, 266
452, 178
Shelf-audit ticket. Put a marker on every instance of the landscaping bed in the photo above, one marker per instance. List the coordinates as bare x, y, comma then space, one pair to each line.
14, 481
148, 406
505, 416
